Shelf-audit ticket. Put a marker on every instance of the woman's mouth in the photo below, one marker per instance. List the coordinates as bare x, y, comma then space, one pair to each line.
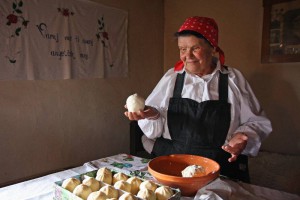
191, 61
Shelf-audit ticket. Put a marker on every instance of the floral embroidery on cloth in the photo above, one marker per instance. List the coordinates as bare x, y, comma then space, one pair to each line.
65, 12
16, 18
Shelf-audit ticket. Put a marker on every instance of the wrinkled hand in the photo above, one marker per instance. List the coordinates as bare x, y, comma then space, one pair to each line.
148, 112
236, 145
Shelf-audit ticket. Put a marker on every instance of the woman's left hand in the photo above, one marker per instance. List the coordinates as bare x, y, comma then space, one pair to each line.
236, 145
149, 113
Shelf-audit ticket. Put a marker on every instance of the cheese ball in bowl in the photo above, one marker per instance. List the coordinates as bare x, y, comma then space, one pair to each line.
167, 171
193, 171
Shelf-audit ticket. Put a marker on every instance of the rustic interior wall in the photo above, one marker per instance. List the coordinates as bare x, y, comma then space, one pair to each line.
50, 125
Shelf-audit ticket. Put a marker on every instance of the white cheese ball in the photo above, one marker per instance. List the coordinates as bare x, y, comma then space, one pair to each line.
146, 194
104, 175
92, 183
193, 171
135, 103
70, 184
135, 183
123, 185
110, 191
82, 191
148, 185
127, 196
163, 193
97, 195
119, 176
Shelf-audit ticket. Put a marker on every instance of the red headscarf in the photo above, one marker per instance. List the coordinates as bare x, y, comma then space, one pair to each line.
208, 28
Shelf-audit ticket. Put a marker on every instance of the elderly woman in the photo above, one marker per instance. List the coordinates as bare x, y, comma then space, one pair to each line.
202, 107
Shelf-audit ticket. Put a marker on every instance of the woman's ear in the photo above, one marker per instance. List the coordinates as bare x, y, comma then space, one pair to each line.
214, 52
215, 60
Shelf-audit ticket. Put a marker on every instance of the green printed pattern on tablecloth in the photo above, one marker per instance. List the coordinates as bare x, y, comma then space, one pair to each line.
128, 164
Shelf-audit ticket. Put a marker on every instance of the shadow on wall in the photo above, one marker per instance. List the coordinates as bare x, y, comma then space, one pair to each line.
280, 152
281, 104
277, 171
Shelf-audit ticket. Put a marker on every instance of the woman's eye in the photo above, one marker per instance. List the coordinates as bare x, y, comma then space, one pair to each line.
182, 50
196, 49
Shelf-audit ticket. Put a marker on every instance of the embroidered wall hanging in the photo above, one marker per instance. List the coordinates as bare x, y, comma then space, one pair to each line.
61, 39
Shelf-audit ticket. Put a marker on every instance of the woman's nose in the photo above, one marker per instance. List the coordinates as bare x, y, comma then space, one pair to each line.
189, 53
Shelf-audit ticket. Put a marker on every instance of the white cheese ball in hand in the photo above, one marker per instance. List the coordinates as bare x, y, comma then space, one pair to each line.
135, 103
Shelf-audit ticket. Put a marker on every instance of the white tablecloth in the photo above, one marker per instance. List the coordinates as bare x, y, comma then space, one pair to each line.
42, 188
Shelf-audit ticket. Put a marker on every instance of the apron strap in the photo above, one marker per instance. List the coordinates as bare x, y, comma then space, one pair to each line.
223, 87
178, 85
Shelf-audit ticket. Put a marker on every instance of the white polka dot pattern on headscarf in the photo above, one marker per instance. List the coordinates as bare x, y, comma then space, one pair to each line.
203, 25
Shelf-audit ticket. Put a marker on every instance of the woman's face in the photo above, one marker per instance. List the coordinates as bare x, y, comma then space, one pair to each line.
196, 54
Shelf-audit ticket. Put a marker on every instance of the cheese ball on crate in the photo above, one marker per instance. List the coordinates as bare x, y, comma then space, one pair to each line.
70, 184
82, 191
97, 195
135, 183
92, 183
127, 196
104, 175
119, 176
146, 194
148, 185
163, 193
110, 191
123, 185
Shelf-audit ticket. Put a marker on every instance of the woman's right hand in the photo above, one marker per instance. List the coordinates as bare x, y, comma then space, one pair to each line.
148, 113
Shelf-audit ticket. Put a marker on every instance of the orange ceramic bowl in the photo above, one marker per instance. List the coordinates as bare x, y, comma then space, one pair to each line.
167, 171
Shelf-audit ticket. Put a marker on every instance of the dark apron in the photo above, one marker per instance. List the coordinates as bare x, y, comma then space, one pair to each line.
201, 129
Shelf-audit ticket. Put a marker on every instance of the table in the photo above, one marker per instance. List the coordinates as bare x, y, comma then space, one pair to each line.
42, 188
